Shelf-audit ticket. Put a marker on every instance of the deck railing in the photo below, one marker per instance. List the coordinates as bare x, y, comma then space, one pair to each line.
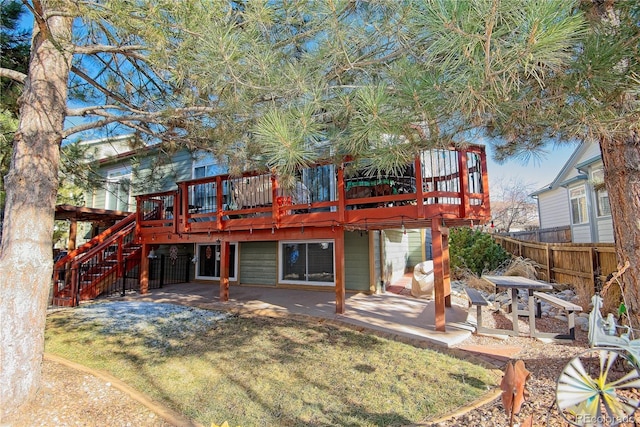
454, 185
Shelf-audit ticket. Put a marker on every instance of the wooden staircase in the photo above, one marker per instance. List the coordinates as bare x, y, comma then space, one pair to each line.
88, 271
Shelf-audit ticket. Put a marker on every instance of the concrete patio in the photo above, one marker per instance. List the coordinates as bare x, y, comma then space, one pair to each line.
401, 316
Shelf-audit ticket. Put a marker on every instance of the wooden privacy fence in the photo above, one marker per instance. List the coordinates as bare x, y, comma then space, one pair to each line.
584, 266
549, 235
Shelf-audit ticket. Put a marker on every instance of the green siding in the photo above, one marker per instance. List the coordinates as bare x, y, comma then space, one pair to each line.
159, 173
415, 248
258, 263
150, 173
356, 259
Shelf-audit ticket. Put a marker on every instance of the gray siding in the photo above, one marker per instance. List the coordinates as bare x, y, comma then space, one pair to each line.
581, 233
593, 150
554, 208
605, 230
377, 256
258, 263
97, 199
356, 259
554, 205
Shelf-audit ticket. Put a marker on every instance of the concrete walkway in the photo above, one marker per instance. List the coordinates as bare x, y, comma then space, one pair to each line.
400, 316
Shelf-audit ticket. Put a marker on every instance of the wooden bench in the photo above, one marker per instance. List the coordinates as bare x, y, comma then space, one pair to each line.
569, 307
477, 299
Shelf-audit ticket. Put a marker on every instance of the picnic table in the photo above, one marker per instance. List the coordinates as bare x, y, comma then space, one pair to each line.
515, 283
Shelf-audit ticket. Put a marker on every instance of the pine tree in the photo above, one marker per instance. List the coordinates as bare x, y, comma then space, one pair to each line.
279, 84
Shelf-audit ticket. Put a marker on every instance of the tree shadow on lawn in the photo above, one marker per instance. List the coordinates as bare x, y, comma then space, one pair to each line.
271, 349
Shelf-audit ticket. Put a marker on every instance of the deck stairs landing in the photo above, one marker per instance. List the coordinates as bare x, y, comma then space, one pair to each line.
90, 270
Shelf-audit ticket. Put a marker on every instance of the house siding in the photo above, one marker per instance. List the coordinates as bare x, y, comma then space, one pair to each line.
258, 263
581, 233
605, 230
99, 195
554, 205
374, 240
163, 175
356, 259
150, 174
416, 250
592, 150
554, 208
396, 255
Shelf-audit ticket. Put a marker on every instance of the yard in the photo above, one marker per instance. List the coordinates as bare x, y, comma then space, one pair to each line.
213, 367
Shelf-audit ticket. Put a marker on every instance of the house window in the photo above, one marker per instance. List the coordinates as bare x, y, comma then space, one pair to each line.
207, 170
208, 264
118, 190
601, 195
309, 263
578, 199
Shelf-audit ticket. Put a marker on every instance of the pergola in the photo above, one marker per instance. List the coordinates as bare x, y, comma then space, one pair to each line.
75, 214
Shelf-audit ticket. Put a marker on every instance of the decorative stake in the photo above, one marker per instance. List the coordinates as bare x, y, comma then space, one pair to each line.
513, 388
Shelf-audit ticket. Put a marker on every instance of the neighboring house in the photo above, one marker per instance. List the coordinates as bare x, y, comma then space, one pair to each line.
577, 198
374, 257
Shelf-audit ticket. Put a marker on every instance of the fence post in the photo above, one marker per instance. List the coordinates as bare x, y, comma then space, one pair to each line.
594, 268
124, 279
549, 261
186, 270
161, 270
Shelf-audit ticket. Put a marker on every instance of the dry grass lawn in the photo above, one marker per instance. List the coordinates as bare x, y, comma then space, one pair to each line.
254, 371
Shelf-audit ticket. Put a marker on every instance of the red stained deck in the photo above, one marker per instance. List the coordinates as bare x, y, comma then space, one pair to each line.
441, 188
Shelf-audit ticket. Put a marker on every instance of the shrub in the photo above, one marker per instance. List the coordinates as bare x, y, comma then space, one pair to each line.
474, 250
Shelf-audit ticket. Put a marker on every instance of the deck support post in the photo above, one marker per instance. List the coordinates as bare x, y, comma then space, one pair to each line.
73, 233
441, 282
224, 271
339, 273
144, 269
446, 270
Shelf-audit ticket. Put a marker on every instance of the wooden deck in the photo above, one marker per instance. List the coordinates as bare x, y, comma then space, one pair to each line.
256, 205
440, 189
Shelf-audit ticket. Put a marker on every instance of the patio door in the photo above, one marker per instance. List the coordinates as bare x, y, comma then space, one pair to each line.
209, 261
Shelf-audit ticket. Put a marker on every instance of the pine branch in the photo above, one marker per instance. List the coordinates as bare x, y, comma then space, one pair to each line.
101, 88
129, 50
13, 75
158, 117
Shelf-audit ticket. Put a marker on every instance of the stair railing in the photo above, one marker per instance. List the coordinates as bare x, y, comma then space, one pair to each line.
91, 261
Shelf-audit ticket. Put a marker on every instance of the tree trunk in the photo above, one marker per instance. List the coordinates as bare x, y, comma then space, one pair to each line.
26, 262
621, 160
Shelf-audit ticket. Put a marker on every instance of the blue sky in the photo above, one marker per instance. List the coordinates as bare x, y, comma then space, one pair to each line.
538, 173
